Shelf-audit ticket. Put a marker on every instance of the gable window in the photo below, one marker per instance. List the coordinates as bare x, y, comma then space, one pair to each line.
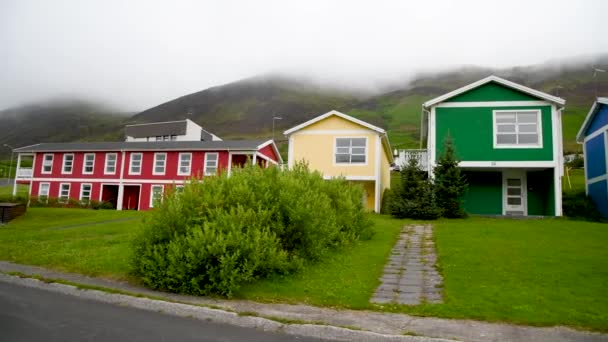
156, 194
89, 163
135, 164
210, 168
64, 192
85, 192
185, 161
110, 167
43, 192
68, 163
160, 161
517, 129
47, 163
351, 150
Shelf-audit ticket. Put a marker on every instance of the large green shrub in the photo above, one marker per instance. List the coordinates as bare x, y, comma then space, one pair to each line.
223, 231
577, 205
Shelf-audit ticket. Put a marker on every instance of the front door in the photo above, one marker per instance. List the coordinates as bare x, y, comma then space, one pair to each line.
514, 192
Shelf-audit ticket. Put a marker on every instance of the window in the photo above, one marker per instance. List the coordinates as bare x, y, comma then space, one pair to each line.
89, 163
85, 192
166, 137
185, 160
68, 162
174, 138
521, 128
64, 192
110, 167
210, 168
47, 163
351, 150
159, 138
179, 189
43, 192
156, 194
160, 160
135, 164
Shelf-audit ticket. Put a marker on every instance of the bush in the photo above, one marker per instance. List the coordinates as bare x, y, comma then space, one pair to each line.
387, 199
450, 183
578, 205
224, 231
414, 197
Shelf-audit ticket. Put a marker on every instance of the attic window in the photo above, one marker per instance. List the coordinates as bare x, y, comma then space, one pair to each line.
517, 129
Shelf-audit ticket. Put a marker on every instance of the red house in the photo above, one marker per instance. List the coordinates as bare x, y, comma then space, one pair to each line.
133, 174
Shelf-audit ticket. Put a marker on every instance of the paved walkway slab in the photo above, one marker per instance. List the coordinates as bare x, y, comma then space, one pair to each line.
410, 276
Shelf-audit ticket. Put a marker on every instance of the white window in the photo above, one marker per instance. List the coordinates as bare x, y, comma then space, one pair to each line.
185, 161
85, 192
156, 194
160, 161
166, 137
210, 168
64, 192
159, 138
43, 191
47, 163
89, 164
135, 164
68, 163
517, 129
351, 151
110, 167
174, 138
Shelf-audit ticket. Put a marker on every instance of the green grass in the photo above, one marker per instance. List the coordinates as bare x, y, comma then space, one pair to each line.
577, 181
7, 190
43, 237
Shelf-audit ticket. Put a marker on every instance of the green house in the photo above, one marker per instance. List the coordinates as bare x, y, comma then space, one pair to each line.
508, 138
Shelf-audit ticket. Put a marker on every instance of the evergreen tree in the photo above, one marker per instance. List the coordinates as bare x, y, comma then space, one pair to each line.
450, 183
413, 198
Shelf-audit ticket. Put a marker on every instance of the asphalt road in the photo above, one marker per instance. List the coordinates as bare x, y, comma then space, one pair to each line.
28, 314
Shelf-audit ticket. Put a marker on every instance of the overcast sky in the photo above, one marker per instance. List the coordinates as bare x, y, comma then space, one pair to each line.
137, 54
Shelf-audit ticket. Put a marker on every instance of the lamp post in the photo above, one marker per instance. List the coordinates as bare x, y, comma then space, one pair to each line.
273, 120
10, 166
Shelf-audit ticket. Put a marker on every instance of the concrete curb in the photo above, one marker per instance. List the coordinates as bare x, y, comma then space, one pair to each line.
215, 315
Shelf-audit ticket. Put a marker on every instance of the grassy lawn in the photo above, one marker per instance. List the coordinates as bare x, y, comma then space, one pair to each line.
537, 272
50, 237
577, 180
7, 190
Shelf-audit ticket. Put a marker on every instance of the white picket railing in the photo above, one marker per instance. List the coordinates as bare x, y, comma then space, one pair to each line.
24, 172
404, 156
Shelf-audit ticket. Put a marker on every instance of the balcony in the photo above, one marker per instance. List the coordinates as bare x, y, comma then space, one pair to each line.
24, 173
403, 157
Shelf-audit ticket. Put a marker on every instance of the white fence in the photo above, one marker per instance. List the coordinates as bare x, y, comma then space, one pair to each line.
24, 172
404, 157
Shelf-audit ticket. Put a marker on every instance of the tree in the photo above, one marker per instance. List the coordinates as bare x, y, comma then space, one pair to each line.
413, 198
450, 183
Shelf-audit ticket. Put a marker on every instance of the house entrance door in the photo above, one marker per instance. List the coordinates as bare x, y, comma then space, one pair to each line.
514, 193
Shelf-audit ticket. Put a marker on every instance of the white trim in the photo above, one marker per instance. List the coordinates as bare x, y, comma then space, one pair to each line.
154, 172
331, 113
597, 179
335, 163
492, 104
48, 190
229, 163
120, 196
523, 176
69, 190
333, 132
596, 133
179, 164
290, 153
31, 181
432, 149
217, 163
594, 107
121, 188
155, 123
498, 80
141, 163
509, 164
101, 185
105, 164
44, 162
539, 129
352, 178
84, 164
557, 191
377, 171
82, 190
268, 159
162, 191
127, 181
585, 168
63, 172
274, 148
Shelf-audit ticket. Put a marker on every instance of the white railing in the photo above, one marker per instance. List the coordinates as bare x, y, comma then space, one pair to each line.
24, 172
404, 157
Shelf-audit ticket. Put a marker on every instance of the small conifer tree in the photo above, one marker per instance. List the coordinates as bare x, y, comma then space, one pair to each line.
450, 183
413, 198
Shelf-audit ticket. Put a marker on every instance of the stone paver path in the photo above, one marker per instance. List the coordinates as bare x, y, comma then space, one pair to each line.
410, 276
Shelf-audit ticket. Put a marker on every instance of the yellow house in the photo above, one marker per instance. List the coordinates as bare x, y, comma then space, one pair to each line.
337, 144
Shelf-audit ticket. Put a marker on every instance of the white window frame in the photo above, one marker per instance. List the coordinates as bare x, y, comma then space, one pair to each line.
539, 128
105, 167
350, 163
44, 163
63, 164
84, 164
154, 172
141, 163
60, 197
82, 185
179, 164
217, 163
48, 190
162, 191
